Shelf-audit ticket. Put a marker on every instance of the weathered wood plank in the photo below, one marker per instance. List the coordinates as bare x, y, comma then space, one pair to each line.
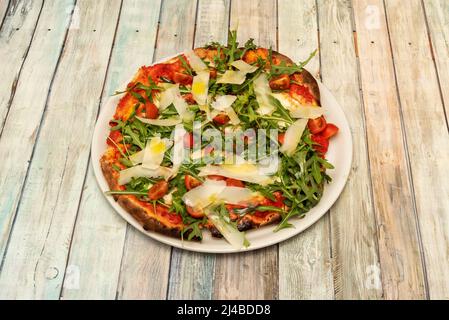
191, 274
402, 268
306, 258
427, 135
437, 12
255, 19
354, 242
26, 109
38, 248
3, 9
15, 39
212, 21
99, 236
145, 259
248, 275
252, 275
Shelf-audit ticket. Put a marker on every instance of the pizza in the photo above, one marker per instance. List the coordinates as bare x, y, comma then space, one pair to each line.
185, 155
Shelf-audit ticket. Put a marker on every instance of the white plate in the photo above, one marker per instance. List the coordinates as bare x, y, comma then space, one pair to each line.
339, 154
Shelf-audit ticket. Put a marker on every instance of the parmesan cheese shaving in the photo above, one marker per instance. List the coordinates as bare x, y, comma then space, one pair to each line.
244, 172
200, 87
195, 62
263, 91
161, 122
296, 109
139, 171
232, 77
243, 66
154, 151
212, 191
293, 136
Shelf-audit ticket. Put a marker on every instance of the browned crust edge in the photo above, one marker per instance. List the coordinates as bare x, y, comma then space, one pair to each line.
133, 207
307, 77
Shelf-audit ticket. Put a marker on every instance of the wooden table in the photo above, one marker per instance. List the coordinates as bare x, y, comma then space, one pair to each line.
387, 236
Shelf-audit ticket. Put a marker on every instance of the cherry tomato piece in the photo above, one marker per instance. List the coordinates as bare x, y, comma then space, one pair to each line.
330, 131
182, 78
234, 183
321, 144
191, 182
189, 98
197, 214
221, 119
281, 138
115, 137
281, 82
158, 190
151, 111
188, 140
215, 177
317, 125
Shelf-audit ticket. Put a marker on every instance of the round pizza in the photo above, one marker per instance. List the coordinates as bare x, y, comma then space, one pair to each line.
220, 139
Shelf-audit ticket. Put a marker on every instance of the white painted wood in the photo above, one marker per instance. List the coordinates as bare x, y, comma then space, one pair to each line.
25, 113
3, 9
400, 259
427, 136
253, 274
191, 274
356, 268
212, 22
38, 248
305, 269
99, 235
15, 38
146, 263
255, 19
249, 275
437, 12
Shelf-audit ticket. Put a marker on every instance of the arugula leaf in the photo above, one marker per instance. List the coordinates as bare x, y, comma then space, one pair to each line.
283, 68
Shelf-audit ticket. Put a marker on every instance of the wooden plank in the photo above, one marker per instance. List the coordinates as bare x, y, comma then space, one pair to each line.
99, 236
249, 275
212, 21
402, 267
25, 112
354, 242
252, 275
3, 9
437, 13
255, 19
145, 259
15, 39
306, 258
38, 248
427, 136
191, 274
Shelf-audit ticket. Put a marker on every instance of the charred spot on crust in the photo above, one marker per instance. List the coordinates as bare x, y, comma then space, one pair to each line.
215, 233
244, 224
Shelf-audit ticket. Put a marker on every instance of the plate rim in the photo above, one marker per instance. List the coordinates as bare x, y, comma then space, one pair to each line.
203, 247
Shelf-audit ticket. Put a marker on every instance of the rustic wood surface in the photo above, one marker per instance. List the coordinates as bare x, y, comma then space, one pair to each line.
387, 236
